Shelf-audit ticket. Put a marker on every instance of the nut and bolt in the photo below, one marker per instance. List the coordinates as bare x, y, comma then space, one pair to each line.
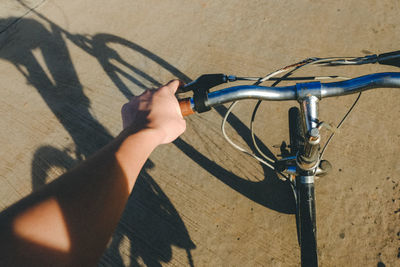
314, 134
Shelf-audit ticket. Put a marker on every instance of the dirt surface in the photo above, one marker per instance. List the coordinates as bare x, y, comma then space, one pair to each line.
66, 67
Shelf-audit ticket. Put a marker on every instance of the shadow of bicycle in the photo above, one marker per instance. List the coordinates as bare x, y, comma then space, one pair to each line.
150, 222
150, 215
270, 192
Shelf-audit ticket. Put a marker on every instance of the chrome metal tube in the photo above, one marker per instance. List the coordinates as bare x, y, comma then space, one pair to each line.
299, 91
251, 92
308, 158
377, 80
309, 107
307, 179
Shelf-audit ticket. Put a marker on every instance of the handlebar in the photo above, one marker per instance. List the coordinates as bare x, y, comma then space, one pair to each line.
294, 92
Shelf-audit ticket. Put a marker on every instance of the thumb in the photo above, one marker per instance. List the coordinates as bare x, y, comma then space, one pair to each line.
174, 85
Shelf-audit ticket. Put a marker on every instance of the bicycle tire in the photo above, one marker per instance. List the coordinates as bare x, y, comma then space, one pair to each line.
308, 229
305, 200
296, 135
296, 131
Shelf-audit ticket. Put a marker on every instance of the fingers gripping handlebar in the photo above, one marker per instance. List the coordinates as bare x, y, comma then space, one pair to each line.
294, 92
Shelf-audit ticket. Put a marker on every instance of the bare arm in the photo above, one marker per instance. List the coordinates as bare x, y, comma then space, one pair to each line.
69, 221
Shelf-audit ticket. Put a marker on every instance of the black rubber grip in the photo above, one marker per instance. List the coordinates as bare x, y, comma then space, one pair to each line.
391, 58
201, 87
200, 97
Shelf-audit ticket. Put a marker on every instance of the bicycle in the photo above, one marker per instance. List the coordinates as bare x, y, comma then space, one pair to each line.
306, 161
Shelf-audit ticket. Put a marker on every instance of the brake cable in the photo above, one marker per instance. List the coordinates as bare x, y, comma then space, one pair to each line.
204, 83
290, 70
339, 125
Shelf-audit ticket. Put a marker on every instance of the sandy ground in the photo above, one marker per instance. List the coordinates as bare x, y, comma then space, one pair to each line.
66, 67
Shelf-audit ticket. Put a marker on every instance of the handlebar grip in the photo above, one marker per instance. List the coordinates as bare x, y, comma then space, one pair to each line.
185, 106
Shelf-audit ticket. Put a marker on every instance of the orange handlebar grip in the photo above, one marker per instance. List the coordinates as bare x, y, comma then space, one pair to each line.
186, 109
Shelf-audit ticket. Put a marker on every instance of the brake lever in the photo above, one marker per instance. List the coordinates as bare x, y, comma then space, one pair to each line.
206, 82
201, 87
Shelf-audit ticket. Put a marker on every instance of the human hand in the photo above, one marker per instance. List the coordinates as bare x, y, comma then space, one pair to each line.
156, 110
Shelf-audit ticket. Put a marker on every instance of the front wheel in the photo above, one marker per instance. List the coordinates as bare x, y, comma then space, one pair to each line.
306, 222
305, 200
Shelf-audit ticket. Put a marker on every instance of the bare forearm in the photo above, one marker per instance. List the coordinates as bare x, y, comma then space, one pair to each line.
68, 222
75, 215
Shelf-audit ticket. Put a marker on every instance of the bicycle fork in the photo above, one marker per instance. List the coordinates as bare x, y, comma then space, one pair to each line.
305, 166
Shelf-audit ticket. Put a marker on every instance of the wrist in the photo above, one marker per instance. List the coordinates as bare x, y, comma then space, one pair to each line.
132, 151
151, 137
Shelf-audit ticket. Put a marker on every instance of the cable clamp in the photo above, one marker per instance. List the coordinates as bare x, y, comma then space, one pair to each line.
329, 126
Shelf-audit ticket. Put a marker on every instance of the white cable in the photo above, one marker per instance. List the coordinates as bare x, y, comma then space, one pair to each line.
299, 65
269, 76
293, 68
253, 135
268, 164
254, 114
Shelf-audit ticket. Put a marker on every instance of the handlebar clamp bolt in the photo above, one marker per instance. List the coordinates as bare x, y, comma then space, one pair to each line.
313, 134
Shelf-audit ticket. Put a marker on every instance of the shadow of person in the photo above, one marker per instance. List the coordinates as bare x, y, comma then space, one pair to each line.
45, 158
57, 82
271, 192
149, 228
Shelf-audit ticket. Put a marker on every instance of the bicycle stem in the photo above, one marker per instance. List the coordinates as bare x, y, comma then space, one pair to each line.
308, 158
